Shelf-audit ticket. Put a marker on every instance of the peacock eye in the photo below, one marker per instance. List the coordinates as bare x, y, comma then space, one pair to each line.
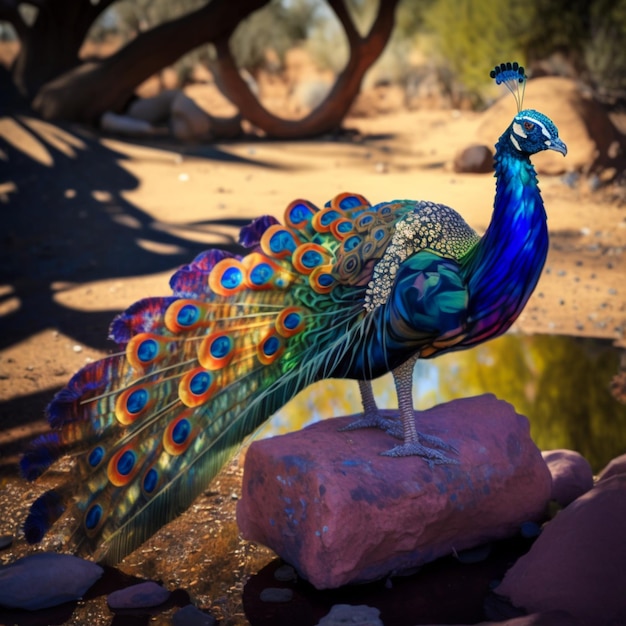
528, 126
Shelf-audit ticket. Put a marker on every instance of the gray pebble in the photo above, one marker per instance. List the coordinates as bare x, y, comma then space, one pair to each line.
276, 594
285, 573
139, 596
46, 579
5, 541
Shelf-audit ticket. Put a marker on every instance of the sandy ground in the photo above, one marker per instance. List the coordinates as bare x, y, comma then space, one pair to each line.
91, 224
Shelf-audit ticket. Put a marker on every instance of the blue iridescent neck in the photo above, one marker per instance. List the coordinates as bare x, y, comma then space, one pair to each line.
504, 268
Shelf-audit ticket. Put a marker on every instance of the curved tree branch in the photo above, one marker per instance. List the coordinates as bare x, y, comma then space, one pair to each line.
79, 94
329, 114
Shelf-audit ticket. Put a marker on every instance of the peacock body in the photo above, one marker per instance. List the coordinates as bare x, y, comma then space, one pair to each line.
350, 290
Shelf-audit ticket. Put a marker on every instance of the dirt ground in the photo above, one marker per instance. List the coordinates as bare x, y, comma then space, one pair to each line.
92, 223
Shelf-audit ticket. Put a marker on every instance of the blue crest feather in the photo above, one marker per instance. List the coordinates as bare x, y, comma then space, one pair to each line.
512, 76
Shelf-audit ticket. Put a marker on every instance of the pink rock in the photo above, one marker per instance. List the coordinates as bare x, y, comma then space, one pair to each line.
328, 503
139, 596
577, 564
571, 475
615, 467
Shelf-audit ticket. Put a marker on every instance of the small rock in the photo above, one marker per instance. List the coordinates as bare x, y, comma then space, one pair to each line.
571, 475
5, 541
285, 573
139, 596
615, 467
276, 594
342, 614
192, 616
475, 159
46, 579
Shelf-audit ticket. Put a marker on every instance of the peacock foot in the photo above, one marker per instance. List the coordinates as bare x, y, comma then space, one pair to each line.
375, 420
432, 456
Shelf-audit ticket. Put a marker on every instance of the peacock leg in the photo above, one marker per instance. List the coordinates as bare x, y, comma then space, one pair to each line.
371, 414
413, 440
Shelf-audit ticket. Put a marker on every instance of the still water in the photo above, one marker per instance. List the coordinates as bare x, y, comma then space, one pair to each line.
561, 383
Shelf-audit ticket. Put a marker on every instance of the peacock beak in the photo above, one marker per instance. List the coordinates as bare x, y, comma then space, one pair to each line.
557, 145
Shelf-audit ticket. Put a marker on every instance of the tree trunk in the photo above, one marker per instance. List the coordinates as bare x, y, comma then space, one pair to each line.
330, 113
87, 91
51, 45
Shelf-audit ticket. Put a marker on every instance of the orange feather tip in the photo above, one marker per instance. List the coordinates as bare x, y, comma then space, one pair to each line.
308, 256
146, 349
290, 322
321, 279
264, 273
324, 219
279, 241
227, 277
299, 213
216, 351
347, 201
178, 436
270, 349
196, 387
132, 404
123, 466
341, 228
184, 314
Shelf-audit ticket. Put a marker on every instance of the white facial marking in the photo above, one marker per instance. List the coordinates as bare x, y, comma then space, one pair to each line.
547, 142
515, 142
544, 130
518, 130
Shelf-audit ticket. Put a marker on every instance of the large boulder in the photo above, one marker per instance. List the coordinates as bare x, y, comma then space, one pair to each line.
615, 467
577, 564
571, 474
328, 503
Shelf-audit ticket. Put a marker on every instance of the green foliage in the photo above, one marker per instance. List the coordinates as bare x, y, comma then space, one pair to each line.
605, 53
277, 27
469, 36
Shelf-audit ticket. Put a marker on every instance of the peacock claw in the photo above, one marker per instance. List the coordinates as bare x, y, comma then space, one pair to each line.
437, 442
374, 420
430, 455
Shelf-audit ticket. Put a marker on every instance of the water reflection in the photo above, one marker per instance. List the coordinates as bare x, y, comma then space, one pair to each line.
562, 384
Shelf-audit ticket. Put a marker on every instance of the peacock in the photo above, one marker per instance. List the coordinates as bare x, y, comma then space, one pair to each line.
350, 290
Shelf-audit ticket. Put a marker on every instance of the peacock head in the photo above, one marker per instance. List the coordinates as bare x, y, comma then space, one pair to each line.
530, 131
